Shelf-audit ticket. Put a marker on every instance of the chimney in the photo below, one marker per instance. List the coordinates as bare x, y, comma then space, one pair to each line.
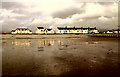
95, 27
88, 27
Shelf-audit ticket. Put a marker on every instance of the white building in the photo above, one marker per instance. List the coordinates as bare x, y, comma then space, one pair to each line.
109, 31
21, 31
65, 30
42, 30
116, 31
48, 31
93, 30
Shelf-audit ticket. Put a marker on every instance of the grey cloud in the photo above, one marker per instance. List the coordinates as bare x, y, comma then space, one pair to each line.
96, 17
105, 3
26, 12
67, 12
63, 14
12, 5
19, 7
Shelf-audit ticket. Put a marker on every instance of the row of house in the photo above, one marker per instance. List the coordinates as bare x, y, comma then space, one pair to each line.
42, 30
76, 30
60, 30
112, 31
21, 31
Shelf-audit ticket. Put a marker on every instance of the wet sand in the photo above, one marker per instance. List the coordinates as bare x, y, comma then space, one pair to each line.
60, 56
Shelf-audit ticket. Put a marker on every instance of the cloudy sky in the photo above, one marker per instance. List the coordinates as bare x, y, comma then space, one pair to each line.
53, 13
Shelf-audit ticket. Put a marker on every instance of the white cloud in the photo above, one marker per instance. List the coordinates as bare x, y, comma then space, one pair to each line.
102, 18
9, 13
1, 21
47, 6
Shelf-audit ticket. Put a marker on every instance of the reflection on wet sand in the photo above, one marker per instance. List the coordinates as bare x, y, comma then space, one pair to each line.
4, 43
42, 43
60, 42
20, 43
92, 42
56, 56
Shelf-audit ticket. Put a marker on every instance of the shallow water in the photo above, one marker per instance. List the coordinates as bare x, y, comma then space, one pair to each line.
60, 56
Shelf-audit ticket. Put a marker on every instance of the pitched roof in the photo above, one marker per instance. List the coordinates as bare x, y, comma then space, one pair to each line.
13, 31
74, 28
30, 30
49, 29
93, 28
117, 30
110, 30
23, 29
40, 27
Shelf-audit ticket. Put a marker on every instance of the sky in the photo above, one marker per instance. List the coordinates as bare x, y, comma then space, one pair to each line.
58, 13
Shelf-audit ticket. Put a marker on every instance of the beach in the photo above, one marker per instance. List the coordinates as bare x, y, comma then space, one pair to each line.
59, 55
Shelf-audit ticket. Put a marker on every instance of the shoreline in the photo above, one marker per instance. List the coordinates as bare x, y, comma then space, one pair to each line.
34, 36
9, 36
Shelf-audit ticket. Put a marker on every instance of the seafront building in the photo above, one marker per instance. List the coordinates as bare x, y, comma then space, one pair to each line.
109, 31
49, 31
71, 30
42, 30
115, 31
21, 31
60, 30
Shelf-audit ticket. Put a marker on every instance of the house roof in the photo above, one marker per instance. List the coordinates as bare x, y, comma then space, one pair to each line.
49, 29
74, 28
13, 31
117, 30
93, 28
22, 29
40, 27
30, 30
110, 30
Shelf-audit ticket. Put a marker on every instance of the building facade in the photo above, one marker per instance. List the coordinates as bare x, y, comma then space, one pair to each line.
116, 31
21, 31
42, 30
109, 31
48, 31
71, 30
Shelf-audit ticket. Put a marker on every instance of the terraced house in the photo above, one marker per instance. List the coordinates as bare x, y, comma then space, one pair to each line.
48, 31
21, 31
71, 30
42, 30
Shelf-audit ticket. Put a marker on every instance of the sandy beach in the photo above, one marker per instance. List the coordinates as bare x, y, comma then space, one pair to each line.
59, 55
